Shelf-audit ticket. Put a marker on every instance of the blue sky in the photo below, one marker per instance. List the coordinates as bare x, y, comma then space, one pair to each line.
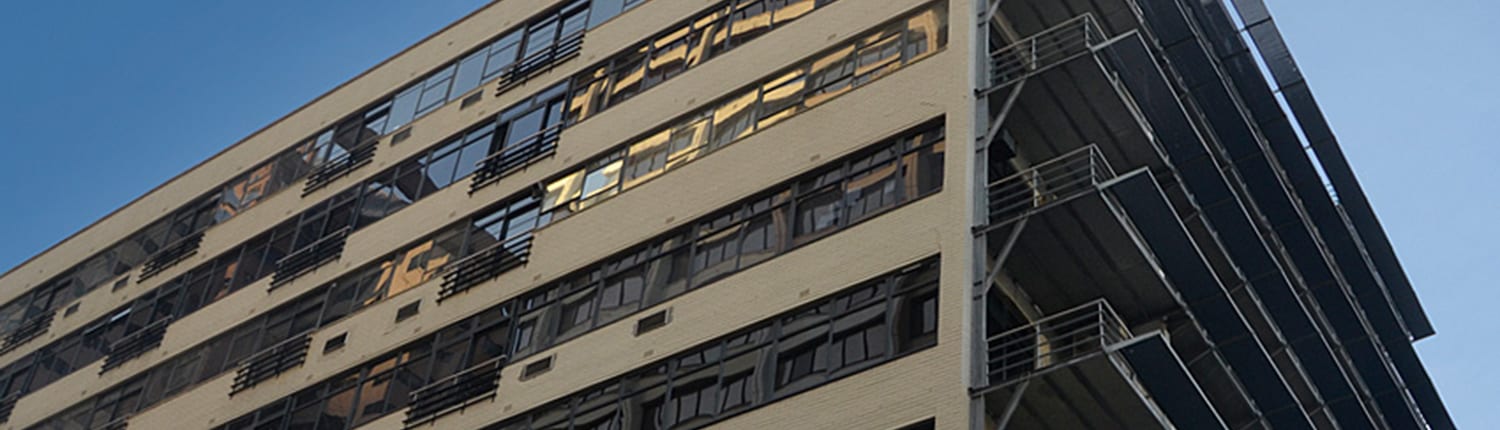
104, 100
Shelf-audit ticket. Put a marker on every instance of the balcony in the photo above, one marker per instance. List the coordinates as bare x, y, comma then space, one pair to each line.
1049, 183
1077, 369
339, 167
327, 249
136, 344
485, 265
1043, 51
170, 256
454, 392
565, 48
509, 160
273, 361
30, 329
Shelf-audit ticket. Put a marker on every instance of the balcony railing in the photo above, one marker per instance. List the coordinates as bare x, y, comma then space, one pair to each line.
1048, 183
170, 256
454, 392
273, 361
1044, 50
485, 265
509, 160
28, 330
565, 48
1053, 342
8, 405
136, 344
339, 167
327, 249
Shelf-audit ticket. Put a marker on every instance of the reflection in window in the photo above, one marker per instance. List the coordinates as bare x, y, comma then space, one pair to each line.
734, 119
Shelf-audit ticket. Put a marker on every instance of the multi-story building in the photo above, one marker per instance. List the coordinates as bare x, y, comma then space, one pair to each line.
643, 214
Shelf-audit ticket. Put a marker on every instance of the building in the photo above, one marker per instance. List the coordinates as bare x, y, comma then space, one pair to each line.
642, 214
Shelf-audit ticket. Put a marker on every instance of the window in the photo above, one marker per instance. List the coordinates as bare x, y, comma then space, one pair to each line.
628, 75
802, 361
860, 338
435, 90
818, 212
716, 252
603, 10
694, 398
577, 314
917, 316
734, 119
782, 97
503, 53
470, 72
873, 184
621, 294
669, 56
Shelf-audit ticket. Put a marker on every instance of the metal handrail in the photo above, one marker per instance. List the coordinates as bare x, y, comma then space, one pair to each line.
1047, 183
271, 361
1041, 51
29, 329
170, 255
339, 167
565, 47
136, 344
507, 160
301, 261
454, 391
1053, 341
488, 263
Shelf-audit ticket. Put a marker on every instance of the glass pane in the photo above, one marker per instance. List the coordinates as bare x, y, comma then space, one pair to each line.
878, 54
435, 90
601, 182
830, 76
563, 191
924, 170
782, 97
734, 118
603, 10
646, 159
689, 141
577, 314
872, 190
540, 37
750, 20
627, 76
819, 212
716, 255
666, 276
470, 73
404, 108
765, 235
669, 56
503, 53
925, 32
